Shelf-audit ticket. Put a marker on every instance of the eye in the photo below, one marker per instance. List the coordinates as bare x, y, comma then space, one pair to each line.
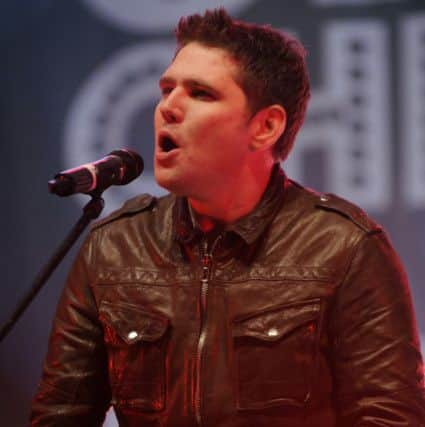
201, 94
166, 90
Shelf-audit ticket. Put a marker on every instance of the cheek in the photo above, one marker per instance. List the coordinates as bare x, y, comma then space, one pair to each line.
219, 124
156, 117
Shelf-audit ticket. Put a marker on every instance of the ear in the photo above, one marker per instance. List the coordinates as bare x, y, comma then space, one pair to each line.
267, 126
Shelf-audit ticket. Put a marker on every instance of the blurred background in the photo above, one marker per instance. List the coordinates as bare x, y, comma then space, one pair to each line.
79, 79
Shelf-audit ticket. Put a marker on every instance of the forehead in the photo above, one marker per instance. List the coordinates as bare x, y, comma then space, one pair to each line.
207, 62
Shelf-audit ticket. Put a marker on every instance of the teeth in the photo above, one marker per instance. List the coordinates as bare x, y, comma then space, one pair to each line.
167, 144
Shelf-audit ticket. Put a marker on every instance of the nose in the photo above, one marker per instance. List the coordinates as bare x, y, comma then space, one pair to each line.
171, 109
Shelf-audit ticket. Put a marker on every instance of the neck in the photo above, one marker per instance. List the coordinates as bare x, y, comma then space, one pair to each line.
228, 204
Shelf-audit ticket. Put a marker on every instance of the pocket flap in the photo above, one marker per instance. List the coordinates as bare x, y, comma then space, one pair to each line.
132, 324
272, 325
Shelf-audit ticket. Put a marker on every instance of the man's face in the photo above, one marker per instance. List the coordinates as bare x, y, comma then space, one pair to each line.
201, 124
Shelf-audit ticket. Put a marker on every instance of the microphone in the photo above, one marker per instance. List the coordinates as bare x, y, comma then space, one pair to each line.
118, 168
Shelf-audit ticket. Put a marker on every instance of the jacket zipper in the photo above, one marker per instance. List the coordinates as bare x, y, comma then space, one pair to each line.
206, 260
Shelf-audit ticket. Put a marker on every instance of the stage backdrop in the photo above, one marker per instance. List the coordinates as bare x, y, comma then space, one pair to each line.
79, 79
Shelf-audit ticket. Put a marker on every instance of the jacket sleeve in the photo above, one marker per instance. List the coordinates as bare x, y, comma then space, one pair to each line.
378, 367
74, 389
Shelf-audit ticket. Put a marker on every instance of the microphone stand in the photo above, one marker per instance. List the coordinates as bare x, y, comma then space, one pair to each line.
90, 211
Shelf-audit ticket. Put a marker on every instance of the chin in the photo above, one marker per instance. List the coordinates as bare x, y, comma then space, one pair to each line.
170, 183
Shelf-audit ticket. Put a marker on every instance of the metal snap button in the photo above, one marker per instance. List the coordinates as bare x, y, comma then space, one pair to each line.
324, 198
272, 332
132, 335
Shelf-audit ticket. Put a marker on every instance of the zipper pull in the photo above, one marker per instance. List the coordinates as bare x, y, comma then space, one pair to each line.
206, 261
206, 256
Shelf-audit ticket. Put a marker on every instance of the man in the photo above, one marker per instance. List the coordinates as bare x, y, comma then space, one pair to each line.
240, 299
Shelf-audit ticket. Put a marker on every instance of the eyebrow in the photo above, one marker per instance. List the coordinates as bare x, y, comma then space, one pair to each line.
188, 83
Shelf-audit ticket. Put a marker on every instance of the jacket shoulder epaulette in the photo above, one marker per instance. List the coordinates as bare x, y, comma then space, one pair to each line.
331, 202
130, 207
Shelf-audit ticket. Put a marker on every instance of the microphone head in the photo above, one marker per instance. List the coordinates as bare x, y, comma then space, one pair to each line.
118, 168
133, 164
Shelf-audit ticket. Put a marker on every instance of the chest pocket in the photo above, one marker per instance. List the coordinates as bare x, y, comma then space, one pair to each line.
275, 355
136, 341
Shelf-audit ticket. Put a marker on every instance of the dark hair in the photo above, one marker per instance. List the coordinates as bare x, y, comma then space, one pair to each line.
272, 65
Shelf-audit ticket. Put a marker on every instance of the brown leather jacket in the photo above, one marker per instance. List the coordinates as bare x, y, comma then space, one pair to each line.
297, 315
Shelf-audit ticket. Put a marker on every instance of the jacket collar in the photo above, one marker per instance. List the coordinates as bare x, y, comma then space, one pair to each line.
249, 227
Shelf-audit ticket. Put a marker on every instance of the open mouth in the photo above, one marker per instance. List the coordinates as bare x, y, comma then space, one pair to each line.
167, 144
